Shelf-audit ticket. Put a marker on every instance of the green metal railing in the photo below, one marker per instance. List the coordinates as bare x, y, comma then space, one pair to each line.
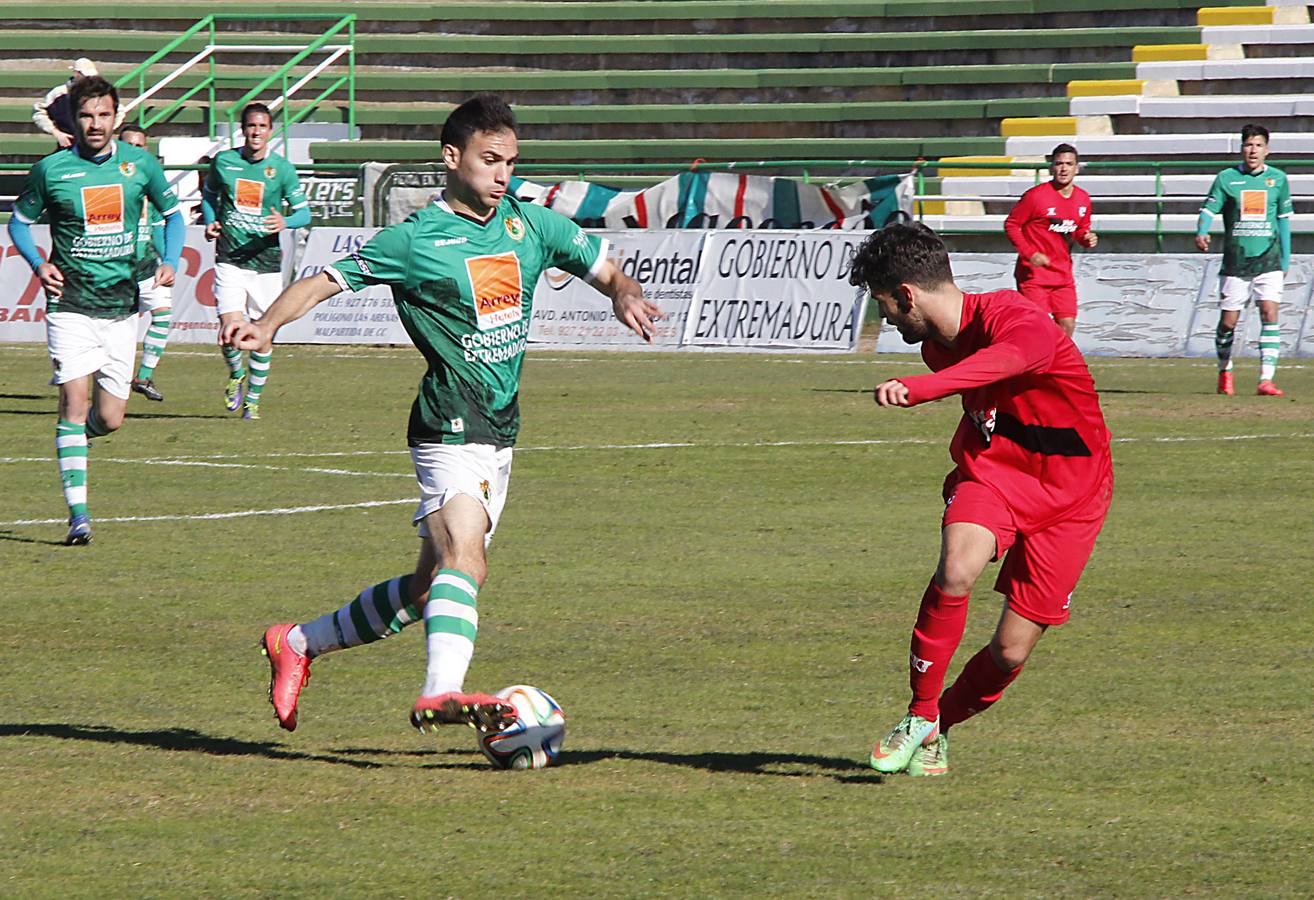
281, 76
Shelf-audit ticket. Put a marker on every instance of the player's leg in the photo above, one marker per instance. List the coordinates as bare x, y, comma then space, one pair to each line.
1063, 307
158, 301
463, 492
230, 304
1037, 579
71, 453
1268, 296
1232, 298
977, 527
262, 290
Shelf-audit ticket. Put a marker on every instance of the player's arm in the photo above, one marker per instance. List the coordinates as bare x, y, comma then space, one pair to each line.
165, 201
1284, 213
299, 298
1213, 204
627, 301
1020, 344
1020, 214
1085, 235
298, 207
210, 201
27, 208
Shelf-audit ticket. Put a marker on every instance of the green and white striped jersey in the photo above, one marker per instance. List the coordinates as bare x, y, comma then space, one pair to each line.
1251, 204
93, 208
464, 292
244, 192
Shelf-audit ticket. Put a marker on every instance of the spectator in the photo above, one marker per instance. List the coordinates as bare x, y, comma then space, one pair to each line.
52, 113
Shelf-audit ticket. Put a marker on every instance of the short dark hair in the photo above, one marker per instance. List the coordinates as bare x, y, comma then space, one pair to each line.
89, 89
901, 254
132, 129
1249, 131
256, 108
482, 112
1063, 148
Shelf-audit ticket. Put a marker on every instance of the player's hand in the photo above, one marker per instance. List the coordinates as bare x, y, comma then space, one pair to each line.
243, 336
64, 140
891, 393
1090, 240
636, 313
274, 223
1202, 242
164, 276
212, 230
51, 279
1039, 259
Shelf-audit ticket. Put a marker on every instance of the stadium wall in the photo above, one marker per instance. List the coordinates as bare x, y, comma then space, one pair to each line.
744, 290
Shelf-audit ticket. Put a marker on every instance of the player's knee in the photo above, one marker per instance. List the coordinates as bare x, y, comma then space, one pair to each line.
956, 575
110, 420
1008, 655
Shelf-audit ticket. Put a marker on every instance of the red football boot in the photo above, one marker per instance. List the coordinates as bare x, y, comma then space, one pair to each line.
288, 673
1269, 389
483, 712
1225, 384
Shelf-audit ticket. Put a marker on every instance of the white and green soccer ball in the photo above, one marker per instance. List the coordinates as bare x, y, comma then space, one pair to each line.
534, 741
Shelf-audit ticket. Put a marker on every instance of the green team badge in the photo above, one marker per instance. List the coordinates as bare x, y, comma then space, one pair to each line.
127, 169
514, 228
270, 171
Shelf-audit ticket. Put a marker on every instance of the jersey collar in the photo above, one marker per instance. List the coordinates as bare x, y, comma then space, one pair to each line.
443, 205
109, 154
1241, 167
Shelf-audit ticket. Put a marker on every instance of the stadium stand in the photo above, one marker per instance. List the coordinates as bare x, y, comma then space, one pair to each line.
672, 81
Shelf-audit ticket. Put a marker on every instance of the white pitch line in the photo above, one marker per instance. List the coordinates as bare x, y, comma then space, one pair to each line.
240, 514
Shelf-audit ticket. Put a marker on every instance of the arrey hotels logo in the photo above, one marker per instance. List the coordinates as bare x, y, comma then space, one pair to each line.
102, 209
249, 195
496, 288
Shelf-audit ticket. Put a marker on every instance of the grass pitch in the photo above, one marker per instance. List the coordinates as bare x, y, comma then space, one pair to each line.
713, 563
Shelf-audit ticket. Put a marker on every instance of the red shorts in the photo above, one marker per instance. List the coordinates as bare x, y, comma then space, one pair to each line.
1060, 301
1040, 569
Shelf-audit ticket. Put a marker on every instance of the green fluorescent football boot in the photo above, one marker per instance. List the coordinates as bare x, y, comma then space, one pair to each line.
893, 753
930, 759
235, 392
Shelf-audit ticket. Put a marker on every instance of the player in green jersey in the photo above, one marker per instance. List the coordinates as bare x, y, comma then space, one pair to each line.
1256, 205
462, 272
154, 299
242, 204
92, 194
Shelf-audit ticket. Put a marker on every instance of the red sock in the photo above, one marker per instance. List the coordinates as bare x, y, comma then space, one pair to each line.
976, 690
940, 624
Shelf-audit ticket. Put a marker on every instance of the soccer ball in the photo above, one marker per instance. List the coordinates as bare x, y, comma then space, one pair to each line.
535, 739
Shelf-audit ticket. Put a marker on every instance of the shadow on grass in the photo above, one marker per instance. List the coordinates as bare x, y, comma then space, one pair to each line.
11, 536
131, 415
183, 739
25, 397
785, 765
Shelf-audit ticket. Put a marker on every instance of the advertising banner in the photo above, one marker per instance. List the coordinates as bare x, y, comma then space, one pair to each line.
777, 290
364, 317
666, 264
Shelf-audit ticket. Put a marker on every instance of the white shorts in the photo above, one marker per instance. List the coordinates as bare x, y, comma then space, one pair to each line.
480, 471
150, 297
1237, 292
80, 345
239, 290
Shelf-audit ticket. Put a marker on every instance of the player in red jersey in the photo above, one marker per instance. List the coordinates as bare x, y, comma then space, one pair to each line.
1032, 482
1042, 227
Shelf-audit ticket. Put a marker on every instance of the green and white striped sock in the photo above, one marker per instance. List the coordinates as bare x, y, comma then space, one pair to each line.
376, 612
259, 375
152, 346
1223, 344
451, 622
1270, 345
233, 357
71, 451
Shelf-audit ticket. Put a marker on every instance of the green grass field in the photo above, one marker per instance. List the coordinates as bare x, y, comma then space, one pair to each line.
714, 563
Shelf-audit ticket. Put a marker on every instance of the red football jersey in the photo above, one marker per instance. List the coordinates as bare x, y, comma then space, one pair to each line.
1032, 428
1044, 221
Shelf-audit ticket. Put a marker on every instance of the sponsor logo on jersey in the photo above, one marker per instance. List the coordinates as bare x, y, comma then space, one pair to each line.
1254, 205
450, 242
1051, 211
1067, 226
249, 195
72, 175
270, 171
496, 288
127, 168
514, 228
458, 426
102, 209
